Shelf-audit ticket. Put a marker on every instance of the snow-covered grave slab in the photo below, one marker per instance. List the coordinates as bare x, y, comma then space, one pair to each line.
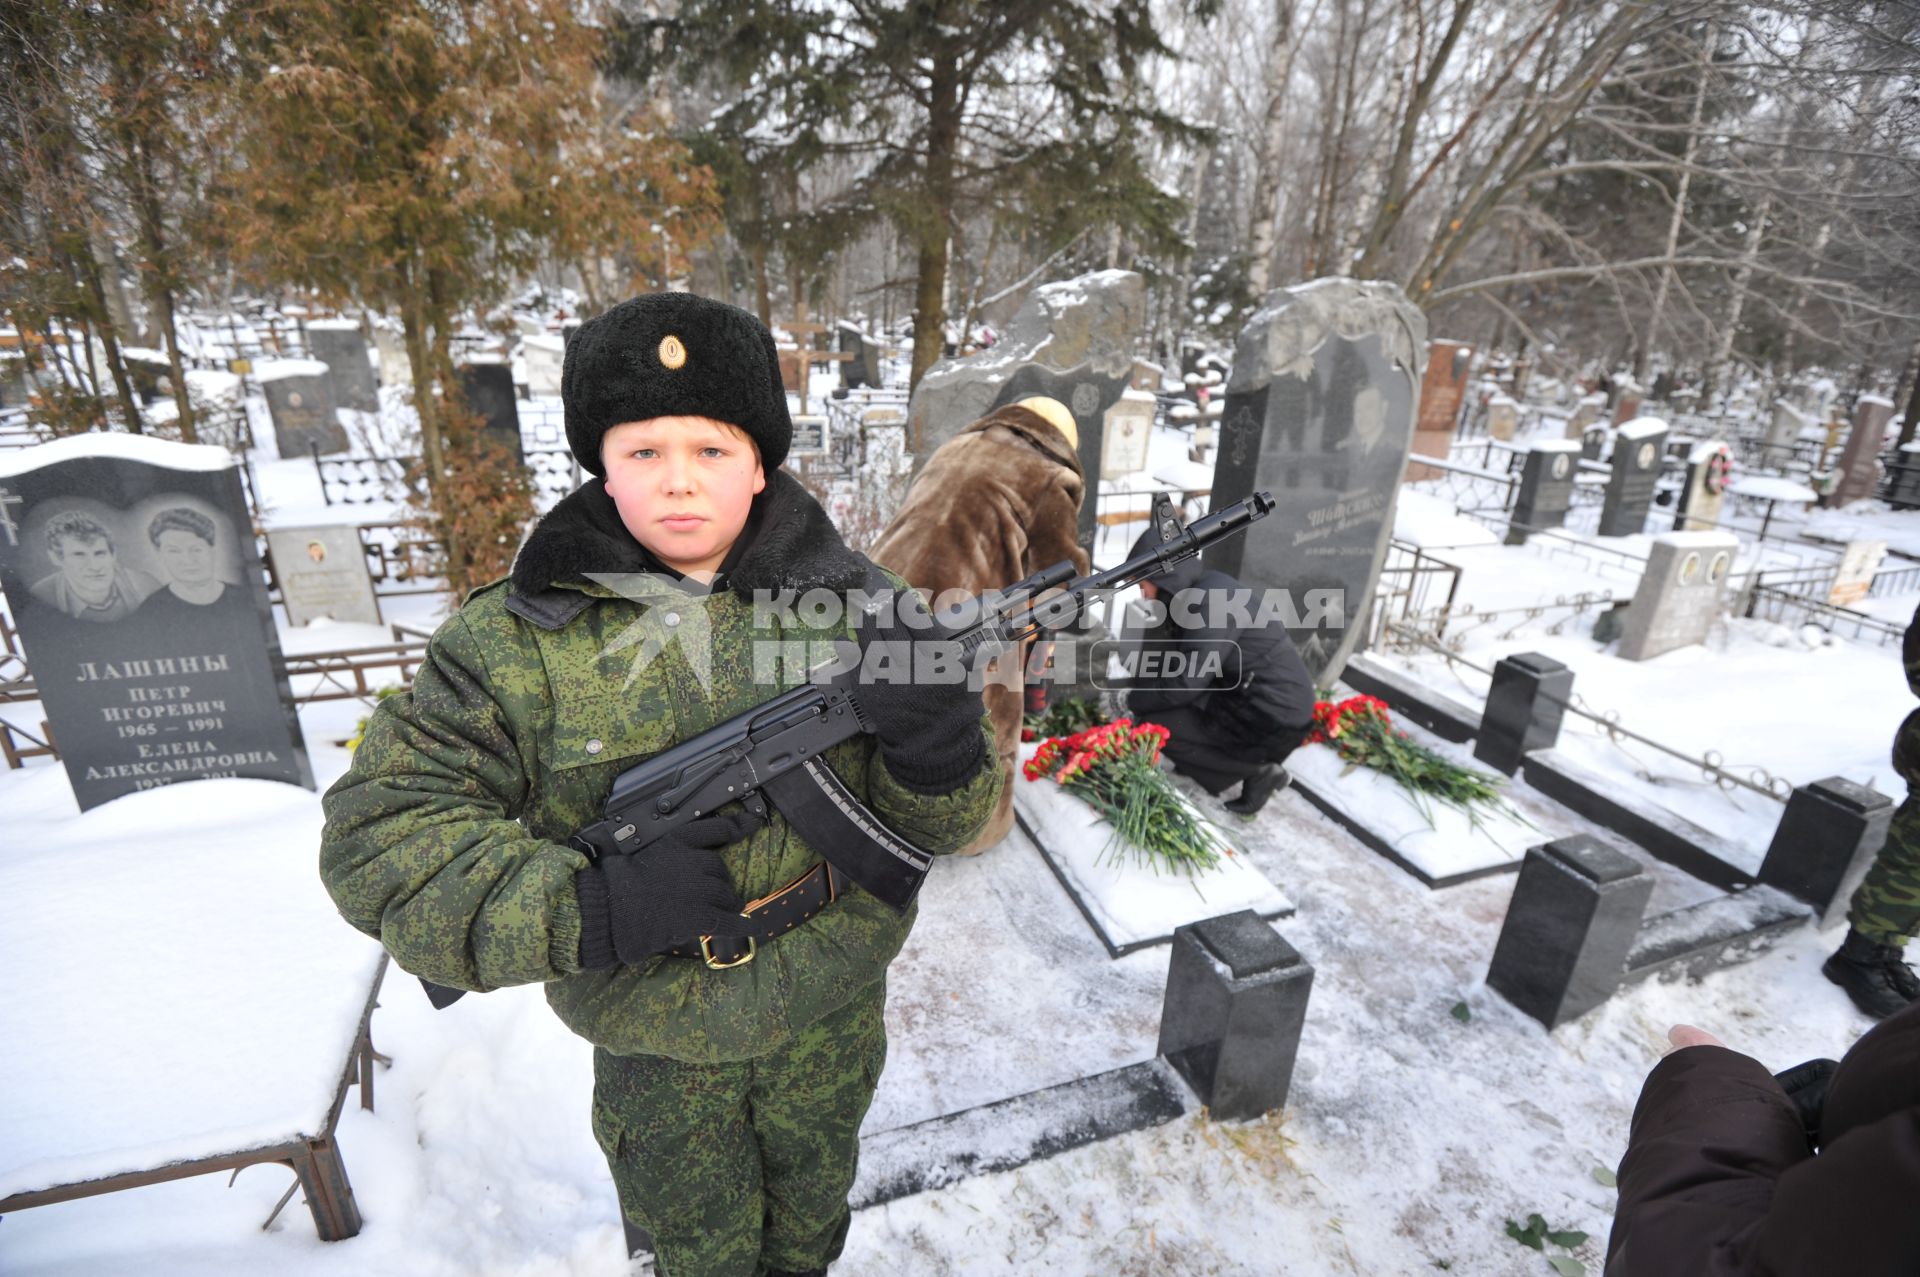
1128, 905
182, 996
1448, 848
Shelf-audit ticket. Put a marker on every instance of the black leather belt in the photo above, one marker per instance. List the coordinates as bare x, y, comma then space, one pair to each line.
772, 917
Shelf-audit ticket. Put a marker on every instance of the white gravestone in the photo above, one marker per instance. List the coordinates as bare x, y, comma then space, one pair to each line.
1854, 577
1680, 594
323, 574
543, 355
1128, 424
1709, 470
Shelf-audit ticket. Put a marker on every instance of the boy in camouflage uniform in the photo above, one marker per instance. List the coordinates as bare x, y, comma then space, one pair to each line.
728, 1098
1885, 911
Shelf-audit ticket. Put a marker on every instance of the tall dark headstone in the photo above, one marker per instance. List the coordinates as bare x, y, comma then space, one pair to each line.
300, 399
1546, 488
1637, 449
130, 567
339, 345
1572, 921
1826, 842
855, 372
1442, 391
1071, 341
1320, 411
489, 392
1236, 1002
1857, 468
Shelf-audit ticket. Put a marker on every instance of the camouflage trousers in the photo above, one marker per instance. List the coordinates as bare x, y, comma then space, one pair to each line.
1886, 906
743, 1168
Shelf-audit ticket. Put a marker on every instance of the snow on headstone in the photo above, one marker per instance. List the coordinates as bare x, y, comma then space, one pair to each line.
131, 571
1680, 594
337, 343
1503, 417
391, 344
544, 356
300, 398
1859, 459
1320, 412
1546, 488
323, 573
1071, 341
1709, 469
1441, 390
1637, 449
1585, 413
1784, 427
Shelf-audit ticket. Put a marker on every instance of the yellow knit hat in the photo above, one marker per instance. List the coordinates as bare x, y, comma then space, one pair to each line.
1057, 414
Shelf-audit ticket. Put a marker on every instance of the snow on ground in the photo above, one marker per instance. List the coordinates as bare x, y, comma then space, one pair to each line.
1409, 1139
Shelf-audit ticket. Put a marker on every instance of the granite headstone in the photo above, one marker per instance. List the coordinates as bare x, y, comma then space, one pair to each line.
1637, 449
1320, 411
488, 388
338, 344
1859, 460
323, 573
1503, 418
1782, 433
300, 400
1679, 594
1441, 391
130, 568
1546, 488
1071, 341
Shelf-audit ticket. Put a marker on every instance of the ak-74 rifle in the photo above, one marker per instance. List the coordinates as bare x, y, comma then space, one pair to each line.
773, 752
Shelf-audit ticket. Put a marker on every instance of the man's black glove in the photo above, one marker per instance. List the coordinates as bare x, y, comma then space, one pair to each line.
632, 907
929, 732
1806, 1085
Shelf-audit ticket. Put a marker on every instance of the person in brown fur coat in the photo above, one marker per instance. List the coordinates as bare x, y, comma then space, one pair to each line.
995, 503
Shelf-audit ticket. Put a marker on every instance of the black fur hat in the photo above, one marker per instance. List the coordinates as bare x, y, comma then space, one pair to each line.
673, 355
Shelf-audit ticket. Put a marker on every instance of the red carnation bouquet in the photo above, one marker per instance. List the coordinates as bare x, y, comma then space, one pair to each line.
1111, 767
1365, 736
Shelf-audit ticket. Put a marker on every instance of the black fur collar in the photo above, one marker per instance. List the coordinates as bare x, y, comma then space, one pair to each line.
796, 548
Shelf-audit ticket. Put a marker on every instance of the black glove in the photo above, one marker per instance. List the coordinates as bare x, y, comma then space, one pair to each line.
929, 732
632, 907
1806, 1085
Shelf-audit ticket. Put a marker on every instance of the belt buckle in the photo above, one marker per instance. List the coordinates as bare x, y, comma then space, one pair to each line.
714, 964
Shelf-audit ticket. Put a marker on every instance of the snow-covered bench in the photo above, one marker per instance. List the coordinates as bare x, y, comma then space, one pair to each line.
182, 997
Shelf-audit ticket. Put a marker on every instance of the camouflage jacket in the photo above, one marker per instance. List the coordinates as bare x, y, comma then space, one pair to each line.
445, 839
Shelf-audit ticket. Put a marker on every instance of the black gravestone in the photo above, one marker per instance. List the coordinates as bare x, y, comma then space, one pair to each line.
1546, 489
1826, 842
300, 401
1320, 412
854, 373
489, 393
1629, 494
339, 345
131, 570
1087, 393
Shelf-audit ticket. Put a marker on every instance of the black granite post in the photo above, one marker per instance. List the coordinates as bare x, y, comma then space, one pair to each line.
1524, 709
1572, 920
489, 393
1826, 840
1236, 1002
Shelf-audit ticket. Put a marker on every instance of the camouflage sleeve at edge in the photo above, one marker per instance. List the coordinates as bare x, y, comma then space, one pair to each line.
944, 822
421, 850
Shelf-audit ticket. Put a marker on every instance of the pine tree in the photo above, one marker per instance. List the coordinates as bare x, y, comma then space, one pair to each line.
1027, 111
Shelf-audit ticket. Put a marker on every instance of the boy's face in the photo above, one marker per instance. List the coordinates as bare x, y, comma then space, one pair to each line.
88, 566
683, 486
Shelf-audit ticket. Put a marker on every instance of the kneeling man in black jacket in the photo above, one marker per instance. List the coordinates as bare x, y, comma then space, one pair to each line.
1240, 702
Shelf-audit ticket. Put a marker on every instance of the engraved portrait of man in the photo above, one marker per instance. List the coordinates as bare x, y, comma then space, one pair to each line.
89, 583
